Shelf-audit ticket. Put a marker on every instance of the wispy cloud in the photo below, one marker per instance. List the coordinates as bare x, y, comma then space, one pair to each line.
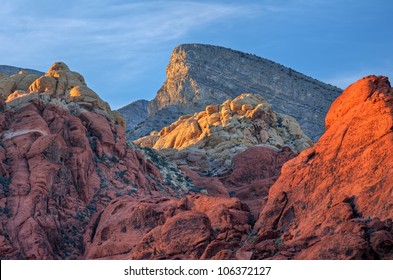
113, 30
121, 37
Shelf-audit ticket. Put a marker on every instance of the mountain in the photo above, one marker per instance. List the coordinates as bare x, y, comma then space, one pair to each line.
200, 75
63, 159
207, 141
134, 113
71, 187
11, 70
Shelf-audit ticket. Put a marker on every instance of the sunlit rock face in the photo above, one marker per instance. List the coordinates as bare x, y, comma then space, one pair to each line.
207, 141
200, 75
334, 200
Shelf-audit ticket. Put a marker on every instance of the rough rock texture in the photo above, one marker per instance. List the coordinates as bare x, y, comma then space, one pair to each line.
199, 75
207, 141
16, 83
253, 172
64, 157
334, 201
194, 227
134, 113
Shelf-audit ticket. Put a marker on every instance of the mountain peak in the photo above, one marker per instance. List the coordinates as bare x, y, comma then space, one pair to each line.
199, 75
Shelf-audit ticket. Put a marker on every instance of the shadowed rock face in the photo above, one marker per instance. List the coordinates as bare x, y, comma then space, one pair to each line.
134, 113
200, 75
63, 158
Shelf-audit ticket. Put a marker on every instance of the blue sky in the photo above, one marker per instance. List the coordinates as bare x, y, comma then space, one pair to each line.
122, 47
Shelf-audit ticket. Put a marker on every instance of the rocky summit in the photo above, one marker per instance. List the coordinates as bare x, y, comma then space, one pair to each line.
71, 187
208, 141
200, 75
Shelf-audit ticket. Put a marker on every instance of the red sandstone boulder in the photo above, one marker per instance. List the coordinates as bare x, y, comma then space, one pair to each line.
194, 227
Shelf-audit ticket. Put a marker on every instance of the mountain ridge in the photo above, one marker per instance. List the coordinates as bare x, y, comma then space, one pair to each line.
199, 75
11, 70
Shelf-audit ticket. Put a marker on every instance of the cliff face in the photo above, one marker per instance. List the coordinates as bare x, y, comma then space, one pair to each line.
199, 75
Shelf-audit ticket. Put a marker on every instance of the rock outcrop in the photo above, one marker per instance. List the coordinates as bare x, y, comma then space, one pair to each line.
63, 158
208, 141
134, 113
334, 201
199, 75
16, 83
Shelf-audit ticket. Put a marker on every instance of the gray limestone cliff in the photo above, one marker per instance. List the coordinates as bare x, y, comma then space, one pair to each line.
134, 113
11, 70
199, 75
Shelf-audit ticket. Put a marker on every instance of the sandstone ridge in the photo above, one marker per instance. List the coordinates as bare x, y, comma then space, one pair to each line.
335, 199
63, 159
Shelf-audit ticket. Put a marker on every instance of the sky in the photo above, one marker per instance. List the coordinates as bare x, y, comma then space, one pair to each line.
122, 47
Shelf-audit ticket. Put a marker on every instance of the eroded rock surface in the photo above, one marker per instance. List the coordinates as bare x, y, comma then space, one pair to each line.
208, 141
63, 157
334, 200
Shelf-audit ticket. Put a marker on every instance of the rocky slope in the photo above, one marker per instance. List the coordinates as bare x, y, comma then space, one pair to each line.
134, 113
199, 75
333, 201
63, 159
208, 141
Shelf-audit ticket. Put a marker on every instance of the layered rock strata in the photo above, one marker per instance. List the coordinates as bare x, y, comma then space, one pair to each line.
199, 75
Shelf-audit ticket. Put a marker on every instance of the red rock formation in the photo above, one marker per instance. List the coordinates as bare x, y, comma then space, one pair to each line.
60, 164
328, 201
72, 188
194, 227
253, 172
